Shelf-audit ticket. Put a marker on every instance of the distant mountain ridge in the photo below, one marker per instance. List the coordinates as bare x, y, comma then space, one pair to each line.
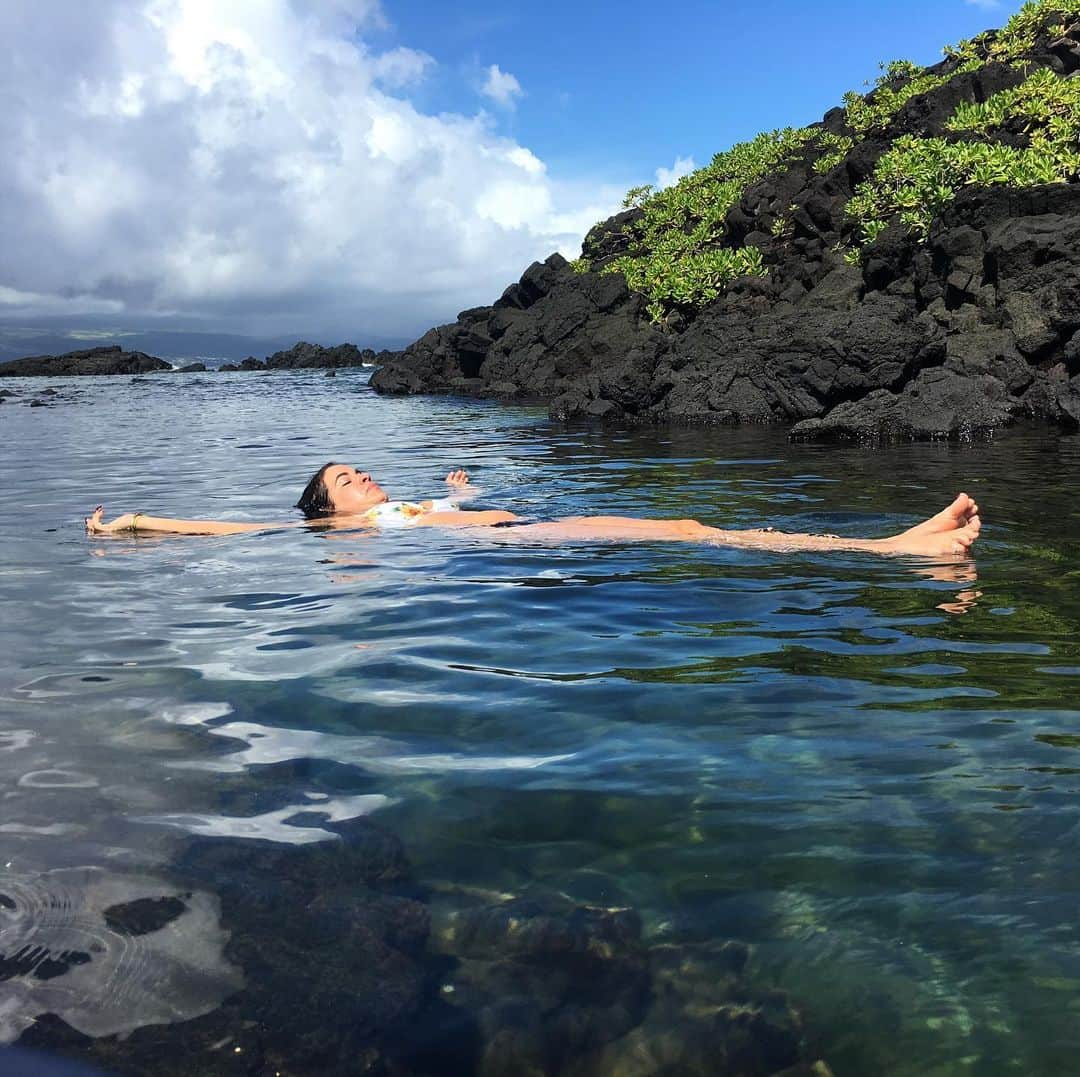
908, 267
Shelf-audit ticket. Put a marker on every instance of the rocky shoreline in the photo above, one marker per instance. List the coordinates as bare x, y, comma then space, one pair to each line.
112, 359
972, 328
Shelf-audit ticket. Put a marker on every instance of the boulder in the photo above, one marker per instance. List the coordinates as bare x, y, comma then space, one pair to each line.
314, 356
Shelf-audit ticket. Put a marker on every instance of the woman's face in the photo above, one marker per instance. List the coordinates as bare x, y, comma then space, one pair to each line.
352, 491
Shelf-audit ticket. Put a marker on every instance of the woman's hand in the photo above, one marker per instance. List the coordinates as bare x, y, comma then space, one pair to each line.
458, 478
95, 525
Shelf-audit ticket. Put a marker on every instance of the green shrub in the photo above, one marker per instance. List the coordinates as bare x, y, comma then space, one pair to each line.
836, 148
876, 111
637, 196
1047, 106
1009, 45
678, 259
919, 177
1018, 36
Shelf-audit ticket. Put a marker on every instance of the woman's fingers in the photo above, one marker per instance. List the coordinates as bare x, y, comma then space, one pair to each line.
93, 521
458, 478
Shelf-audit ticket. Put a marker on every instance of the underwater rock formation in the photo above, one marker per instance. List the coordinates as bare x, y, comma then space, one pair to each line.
328, 958
111, 359
953, 317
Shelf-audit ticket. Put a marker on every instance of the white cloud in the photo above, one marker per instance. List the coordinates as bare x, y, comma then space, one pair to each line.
985, 5
401, 67
252, 164
501, 87
665, 177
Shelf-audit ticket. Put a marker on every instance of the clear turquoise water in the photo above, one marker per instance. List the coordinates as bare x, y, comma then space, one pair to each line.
836, 759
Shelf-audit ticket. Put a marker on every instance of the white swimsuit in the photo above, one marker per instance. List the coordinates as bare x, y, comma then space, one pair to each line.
406, 513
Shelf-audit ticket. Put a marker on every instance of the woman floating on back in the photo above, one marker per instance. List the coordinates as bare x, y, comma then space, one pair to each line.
344, 496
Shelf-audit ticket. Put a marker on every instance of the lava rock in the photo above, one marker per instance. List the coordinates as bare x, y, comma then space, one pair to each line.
314, 356
111, 359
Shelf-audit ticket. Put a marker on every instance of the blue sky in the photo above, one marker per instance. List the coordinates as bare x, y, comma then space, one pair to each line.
362, 169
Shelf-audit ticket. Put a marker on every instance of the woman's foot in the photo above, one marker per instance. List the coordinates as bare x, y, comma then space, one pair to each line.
958, 514
952, 532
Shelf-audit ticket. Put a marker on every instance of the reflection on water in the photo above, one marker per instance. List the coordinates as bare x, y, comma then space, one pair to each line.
454, 805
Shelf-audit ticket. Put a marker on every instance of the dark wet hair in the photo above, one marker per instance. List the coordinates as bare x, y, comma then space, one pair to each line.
315, 500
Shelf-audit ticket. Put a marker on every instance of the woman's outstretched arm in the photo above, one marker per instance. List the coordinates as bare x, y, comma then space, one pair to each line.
132, 522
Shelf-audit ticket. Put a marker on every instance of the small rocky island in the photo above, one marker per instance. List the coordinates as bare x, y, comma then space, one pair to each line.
111, 359
908, 267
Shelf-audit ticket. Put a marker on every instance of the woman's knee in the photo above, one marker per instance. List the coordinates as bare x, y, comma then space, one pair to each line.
692, 528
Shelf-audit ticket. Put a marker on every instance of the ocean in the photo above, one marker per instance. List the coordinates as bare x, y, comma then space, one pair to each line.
431, 803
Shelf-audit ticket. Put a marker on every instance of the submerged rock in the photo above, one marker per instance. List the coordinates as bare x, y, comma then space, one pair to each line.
105, 360
538, 985
327, 959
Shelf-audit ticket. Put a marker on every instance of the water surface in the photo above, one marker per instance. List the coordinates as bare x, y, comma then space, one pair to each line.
865, 769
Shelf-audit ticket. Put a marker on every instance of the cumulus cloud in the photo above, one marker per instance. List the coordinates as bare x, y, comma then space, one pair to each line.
665, 177
501, 87
259, 165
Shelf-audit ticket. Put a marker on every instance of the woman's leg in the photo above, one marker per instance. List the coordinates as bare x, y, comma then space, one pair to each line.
951, 532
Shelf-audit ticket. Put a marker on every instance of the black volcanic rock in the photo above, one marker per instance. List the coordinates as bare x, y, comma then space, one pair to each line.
976, 327
106, 360
993, 300
192, 368
315, 356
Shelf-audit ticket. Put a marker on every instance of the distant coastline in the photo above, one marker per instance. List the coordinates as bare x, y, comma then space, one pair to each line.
112, 359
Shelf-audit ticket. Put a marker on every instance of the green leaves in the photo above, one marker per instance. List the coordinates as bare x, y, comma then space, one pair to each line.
1018, 36
680, 258
836, 148
919, 177
1045, 106
901, 82
637, 196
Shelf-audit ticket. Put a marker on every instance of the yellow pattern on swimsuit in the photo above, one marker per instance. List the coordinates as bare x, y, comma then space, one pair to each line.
405, 513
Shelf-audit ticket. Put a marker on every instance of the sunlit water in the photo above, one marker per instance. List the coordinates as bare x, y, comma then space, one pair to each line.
868, 773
